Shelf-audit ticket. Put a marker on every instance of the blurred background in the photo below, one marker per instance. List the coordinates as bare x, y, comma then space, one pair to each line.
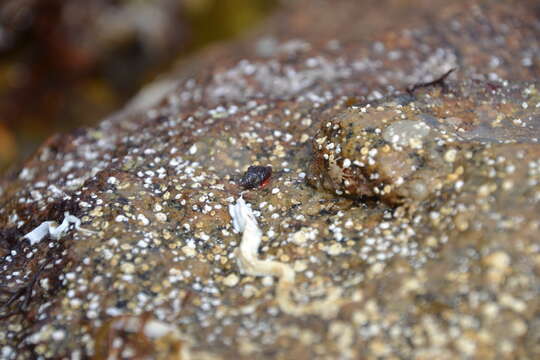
66, 64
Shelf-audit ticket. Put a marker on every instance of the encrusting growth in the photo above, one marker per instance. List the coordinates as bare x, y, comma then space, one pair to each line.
244, 221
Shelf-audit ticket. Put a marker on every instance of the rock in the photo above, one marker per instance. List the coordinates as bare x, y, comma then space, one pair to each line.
401, 152
432, 243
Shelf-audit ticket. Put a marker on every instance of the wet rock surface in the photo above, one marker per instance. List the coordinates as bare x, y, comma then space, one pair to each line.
421, 207
407, 147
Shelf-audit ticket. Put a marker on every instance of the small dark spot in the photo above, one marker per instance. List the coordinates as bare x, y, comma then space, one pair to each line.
492, 87
256, 176
370, 130
351, 101
437, 82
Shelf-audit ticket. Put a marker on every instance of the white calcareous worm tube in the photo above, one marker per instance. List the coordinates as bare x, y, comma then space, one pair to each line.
244, 222
54, 230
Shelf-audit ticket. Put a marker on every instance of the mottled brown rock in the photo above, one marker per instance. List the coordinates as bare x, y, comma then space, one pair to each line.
441, 261
407, 147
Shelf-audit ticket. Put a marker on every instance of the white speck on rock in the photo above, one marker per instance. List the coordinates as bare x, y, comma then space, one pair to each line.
161, 217
231, 280
127, 268
450, 155
143, 220
189, 251
120, 218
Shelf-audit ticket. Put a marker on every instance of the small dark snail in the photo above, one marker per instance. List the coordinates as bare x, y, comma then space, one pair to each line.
256, 176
